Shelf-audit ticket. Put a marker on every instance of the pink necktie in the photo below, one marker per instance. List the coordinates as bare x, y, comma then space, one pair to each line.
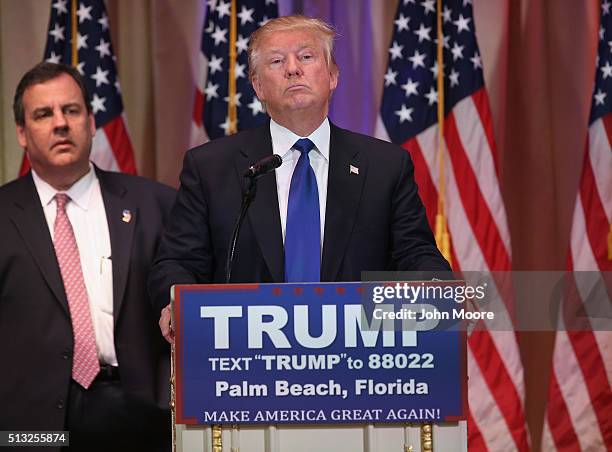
85, 365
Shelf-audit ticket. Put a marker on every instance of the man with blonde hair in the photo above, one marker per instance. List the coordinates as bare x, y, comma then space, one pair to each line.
340, 203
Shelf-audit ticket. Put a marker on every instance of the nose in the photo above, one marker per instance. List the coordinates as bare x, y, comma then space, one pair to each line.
293, 67
60, 123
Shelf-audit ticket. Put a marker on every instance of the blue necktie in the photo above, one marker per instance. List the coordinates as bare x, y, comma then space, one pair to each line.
303, 232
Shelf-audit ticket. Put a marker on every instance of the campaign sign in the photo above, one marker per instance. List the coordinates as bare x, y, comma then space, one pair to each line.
316, 353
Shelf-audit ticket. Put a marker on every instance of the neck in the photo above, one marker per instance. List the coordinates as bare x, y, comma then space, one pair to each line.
63, 182
302, 123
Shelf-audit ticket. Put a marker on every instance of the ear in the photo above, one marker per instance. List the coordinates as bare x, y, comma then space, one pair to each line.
333, 77
258, 88
21, 136
92, 124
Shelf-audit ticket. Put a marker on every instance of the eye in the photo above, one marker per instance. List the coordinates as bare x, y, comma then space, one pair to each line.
72, 110
41, 114
275, 61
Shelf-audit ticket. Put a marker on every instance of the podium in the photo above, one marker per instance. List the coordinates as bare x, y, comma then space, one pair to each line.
317, 367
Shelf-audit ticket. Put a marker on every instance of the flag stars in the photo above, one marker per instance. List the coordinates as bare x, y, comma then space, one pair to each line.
60, 7
234, 100
103, 21
600, 97
215, 64
264, 21
606, 70
211, 90
81, 68
101, 77
446, 14
239, 70
219, 36
476, 61
256, 106
405, 114
605, 7
390, 77
423, 33
601, 32
57, 33
402, 22
84, 13
457, 52
462, 23
223, 9
418, 59
82, 41
454, 78
432, 96
103, 48
53, 58
410, 88
396, 51
246, 15
428, 6
445, 41
242, 44
434, 69
228, 125
97, 103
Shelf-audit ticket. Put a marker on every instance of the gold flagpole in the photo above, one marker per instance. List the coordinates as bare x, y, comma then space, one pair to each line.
232, 116
441, 229
232, 108
441, 232
74, 54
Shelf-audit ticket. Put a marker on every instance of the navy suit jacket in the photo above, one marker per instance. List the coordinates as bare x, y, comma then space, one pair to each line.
374, 218
35, 327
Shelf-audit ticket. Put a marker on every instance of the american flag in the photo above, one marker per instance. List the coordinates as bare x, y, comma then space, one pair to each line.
580, 396
211, 117
93, 57
472, 203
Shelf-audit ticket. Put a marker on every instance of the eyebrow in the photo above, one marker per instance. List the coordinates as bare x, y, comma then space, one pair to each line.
48, 107
277, 50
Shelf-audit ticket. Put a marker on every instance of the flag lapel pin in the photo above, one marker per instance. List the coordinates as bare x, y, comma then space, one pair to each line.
127, 216
353, 169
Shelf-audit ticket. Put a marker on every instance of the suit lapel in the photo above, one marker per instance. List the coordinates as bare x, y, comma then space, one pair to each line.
29, 218
121, 215
263, 215
347, 173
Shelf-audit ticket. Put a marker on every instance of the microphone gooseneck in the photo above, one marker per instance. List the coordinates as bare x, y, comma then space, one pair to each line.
254, 172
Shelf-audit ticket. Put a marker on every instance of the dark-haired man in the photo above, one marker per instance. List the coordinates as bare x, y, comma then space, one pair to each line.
81, 349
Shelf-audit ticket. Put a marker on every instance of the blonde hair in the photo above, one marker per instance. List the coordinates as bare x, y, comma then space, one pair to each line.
323, 31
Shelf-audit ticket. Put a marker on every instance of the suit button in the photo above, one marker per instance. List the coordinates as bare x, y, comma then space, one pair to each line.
66, 353
60, 404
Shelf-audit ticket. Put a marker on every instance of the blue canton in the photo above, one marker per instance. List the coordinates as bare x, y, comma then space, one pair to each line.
410, 97
251, 14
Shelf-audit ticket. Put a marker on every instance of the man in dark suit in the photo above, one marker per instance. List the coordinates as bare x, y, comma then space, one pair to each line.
341, 203
81, 351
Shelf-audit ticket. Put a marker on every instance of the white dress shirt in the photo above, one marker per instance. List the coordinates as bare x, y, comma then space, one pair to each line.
282, 142
88, 218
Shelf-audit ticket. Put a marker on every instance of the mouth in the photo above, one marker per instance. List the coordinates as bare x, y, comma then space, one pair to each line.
63, 143
296, 88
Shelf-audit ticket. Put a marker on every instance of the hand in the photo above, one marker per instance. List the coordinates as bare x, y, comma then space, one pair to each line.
165, 324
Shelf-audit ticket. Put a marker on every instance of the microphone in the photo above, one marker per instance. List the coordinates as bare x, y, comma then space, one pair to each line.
264, 166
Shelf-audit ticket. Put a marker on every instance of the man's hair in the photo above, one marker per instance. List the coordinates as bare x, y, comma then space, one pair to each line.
323, 31
43, 72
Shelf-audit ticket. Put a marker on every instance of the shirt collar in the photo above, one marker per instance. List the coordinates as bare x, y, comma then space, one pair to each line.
79, 192
283, 139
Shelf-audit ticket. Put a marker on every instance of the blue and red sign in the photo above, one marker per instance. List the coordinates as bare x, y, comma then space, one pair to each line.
315, 353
